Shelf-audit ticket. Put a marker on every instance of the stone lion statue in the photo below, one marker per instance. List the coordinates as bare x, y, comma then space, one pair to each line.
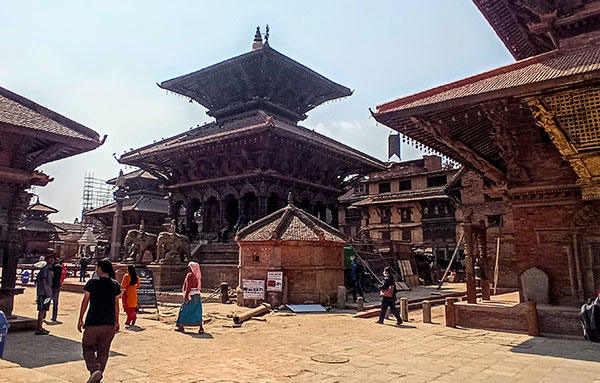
172, 247
137, 242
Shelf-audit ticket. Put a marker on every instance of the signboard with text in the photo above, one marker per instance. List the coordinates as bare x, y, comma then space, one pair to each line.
274, 280
253, 288
146, 291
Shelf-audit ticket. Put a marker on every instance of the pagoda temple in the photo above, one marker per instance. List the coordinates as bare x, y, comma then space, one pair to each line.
31, 136
531, 132
239, 168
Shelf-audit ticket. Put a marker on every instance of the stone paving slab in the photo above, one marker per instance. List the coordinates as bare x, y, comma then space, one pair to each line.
280, 349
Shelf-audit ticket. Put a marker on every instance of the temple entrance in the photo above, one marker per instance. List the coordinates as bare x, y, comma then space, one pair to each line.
334, 215
320, 211
249, 210
273, 202
194, 218
231, 211
211, 213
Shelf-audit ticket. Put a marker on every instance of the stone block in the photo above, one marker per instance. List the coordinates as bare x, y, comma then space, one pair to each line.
168, 277
536, 286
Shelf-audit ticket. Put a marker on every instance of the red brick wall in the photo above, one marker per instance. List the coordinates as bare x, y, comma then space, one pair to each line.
313, 270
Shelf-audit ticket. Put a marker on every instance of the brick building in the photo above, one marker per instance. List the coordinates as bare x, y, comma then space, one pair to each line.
407, 202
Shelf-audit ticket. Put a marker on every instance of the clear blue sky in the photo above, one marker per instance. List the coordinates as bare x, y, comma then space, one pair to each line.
98, 63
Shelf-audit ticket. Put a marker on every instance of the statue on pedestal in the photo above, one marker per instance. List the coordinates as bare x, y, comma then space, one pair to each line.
137, 242
172, 247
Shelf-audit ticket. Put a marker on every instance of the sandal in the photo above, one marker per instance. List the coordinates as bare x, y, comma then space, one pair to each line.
180, 330
42, 332
201, 331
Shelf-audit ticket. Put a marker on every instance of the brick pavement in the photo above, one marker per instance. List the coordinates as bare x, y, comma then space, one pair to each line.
280, 349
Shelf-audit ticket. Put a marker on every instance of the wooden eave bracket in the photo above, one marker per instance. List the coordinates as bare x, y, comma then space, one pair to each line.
441, 133
585, 165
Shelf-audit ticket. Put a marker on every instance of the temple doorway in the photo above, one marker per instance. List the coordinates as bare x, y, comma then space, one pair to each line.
231, 215
273, 203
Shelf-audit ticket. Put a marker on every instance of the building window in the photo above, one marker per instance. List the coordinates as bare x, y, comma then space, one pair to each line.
384, 187
405, 185
427, 234
406, 234
494, 220
436, 181
360, 189
385, 235
405, 215
449, 233
386, 215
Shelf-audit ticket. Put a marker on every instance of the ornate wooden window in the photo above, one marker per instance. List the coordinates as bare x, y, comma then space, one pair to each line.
436, 181
405, 185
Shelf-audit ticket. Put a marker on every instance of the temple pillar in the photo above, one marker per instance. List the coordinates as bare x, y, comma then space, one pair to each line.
10, 243
117, 228
262, 206
469, 263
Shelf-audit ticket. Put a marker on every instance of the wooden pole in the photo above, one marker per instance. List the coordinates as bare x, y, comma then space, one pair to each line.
426, 311
496, 266
460, 239
450, 312
404, 309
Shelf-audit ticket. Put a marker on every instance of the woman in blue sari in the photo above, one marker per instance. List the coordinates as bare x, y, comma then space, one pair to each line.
190, 312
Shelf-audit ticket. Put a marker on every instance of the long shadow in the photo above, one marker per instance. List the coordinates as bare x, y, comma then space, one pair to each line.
560, 348
32, 351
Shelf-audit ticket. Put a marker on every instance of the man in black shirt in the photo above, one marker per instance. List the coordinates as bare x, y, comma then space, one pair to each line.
102, 320
57, 270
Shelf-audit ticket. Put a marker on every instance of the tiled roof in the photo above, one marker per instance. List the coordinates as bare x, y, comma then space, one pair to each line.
140, 173
249, 123
21, 112
142, 203
41, 208
32, 224
533, 74
289, 224
405, 196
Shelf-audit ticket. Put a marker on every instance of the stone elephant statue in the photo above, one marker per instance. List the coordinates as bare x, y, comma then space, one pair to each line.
172, 248
137, 243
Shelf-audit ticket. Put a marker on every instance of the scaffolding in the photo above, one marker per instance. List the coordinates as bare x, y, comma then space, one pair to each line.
96, 192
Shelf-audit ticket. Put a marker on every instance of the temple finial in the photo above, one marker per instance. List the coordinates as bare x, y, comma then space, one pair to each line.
290, 199
267, 36
257, 44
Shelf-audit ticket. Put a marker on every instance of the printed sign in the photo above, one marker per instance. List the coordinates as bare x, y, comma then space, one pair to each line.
146, 291
253, 288
274, 280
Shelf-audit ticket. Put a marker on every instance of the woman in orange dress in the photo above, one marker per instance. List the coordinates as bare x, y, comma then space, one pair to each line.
130, 283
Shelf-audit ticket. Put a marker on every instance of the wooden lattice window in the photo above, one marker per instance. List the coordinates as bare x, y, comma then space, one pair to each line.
579, 115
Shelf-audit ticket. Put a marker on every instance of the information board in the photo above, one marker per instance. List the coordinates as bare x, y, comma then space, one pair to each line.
253, 288
274, 280
146, 291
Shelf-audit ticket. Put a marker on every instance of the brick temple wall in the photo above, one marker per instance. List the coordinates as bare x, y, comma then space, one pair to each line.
537, 215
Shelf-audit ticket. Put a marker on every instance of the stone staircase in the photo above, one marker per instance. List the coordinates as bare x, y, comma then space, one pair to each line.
218, 261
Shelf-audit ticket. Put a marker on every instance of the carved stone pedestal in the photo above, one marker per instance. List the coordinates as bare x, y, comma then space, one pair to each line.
168, 277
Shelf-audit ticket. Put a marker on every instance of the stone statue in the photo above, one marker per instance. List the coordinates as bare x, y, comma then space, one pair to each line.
172, 247
137, 242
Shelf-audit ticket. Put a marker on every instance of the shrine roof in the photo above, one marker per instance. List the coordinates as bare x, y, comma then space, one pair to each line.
289, 224
145, 204
404, 196
249, 124
38, 225
41, 208
25, 116
531, 27
261, 78
536, 74
140, 173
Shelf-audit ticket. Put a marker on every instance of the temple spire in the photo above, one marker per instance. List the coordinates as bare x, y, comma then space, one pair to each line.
290, 199
257, 44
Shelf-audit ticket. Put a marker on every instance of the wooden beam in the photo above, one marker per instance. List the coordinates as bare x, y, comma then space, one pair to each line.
441, 133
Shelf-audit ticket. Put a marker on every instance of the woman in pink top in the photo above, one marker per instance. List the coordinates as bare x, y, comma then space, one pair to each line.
190, 312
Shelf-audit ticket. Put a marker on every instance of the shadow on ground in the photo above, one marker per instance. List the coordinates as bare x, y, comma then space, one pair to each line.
558, 348
32, 351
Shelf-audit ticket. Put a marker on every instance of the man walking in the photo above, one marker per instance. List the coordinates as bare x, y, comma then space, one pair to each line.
83, 263
44, 293
102, 320
57, 273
